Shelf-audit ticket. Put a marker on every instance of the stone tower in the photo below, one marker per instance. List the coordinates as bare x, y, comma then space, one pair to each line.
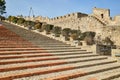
102, 14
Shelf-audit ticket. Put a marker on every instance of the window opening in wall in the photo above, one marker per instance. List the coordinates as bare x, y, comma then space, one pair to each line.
102, 15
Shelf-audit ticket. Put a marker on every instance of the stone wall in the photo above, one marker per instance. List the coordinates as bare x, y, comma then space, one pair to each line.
113, 32
117, 20
102, 14
99, 21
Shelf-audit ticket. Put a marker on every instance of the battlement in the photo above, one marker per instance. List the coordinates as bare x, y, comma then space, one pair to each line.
72, 15
103, 14
59, 18
101, 9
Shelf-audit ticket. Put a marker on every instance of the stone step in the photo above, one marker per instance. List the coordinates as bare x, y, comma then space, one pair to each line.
56, 60
18, 46
24, 73
34, 59
54, 53
11, 56
54, 45
80, 72
105, 75
12, 67
26, 46
6, 43
1, 43
50, 69
71, 50
19, 49
48, 48
39, 51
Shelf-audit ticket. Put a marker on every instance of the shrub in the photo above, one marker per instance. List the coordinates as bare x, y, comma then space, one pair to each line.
75, 34
57, 31
25, 23
66, 32
89, 40
48, 28
13, 19
9, 18
88, 33
88, 37
67, 38
38, 25
108, 41
29, 24
20, 21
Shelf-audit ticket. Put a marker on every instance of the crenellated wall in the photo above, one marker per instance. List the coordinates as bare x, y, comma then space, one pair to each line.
99, 21
102, 14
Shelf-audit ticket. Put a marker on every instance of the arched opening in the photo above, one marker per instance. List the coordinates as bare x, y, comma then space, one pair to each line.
102, 16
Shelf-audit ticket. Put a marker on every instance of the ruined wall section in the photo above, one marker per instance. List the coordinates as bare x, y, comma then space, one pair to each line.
102, 14
113, 33
67, 21
66, 17
117, 20
77, 21
42, 19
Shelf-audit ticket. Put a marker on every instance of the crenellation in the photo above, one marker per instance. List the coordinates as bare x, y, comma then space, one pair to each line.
102, 14
97, 22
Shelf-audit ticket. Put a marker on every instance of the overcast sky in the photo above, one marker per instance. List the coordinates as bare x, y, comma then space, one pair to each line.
53, 8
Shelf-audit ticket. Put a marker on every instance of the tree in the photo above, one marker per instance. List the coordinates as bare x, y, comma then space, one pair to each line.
2, 7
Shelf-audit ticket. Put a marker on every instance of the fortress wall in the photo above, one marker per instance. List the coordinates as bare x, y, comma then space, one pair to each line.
99, 21
85, 23
112, 32
103, 14
117, 20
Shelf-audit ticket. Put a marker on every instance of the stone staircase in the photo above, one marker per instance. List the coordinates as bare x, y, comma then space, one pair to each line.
31, 56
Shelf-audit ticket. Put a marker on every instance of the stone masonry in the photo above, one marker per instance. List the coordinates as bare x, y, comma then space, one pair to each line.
99, 21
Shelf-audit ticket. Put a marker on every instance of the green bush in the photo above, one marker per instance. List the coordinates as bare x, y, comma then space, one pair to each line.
29, 24
108, 41
75, 34
88, 33
38, 25
88, 37
20, 21
13, 19
89, 40
57, 31
66, 32
48, 28
25, 23
9, 18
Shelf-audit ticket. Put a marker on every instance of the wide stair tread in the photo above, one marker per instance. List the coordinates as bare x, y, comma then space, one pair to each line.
50, 69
